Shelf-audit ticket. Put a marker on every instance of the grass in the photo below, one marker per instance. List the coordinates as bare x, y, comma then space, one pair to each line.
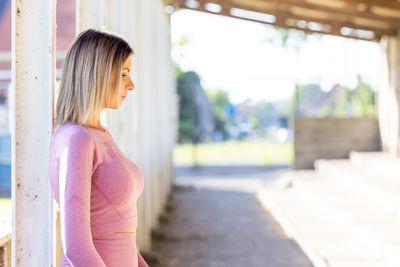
5, 208
246, 152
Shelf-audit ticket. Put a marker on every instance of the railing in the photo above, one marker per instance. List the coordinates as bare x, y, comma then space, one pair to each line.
5, 242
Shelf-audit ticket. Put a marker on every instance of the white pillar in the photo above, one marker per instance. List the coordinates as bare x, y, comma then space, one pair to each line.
129, 110
145, 83
170, 103
389, 95
114, 21
33, 75
156, 116
165, 105
89, 14
113, 17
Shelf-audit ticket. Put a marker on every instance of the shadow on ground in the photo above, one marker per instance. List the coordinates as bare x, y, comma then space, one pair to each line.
219, 222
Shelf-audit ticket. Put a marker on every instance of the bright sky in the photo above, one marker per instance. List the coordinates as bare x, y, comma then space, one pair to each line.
234, 55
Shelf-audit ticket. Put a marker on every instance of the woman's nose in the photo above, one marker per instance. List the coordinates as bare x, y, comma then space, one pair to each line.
131, 86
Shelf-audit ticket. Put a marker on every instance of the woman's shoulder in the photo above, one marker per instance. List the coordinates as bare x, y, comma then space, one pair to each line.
73, 133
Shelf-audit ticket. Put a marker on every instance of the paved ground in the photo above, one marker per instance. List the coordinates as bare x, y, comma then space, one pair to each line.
216, 221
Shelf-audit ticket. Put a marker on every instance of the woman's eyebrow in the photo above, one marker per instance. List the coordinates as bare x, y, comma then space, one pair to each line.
126, 69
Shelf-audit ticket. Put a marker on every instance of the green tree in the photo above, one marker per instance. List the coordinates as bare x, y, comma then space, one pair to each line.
340, 104
363, 99
288, 38
306, 99
219, 101
187, 83
271, 113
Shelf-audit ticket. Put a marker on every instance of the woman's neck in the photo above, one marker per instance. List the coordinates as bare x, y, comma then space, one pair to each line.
96, 124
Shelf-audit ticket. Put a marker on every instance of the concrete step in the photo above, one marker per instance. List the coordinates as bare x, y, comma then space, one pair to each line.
313, 210
383, 190
382, 164
357, 211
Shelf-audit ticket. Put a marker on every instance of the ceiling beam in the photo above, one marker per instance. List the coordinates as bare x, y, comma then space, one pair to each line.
298, 16
312, 12
281, 16
349, 9
335, 27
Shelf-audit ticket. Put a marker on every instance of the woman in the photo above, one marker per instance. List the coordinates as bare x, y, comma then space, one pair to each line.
95, 186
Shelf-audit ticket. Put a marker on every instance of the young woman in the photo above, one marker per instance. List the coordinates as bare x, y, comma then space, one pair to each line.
95, 186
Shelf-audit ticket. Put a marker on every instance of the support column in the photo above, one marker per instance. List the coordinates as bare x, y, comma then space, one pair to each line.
165, 105
389, 95
156, 151
33, 76
144, 84
89, 14
114, 21
129, 109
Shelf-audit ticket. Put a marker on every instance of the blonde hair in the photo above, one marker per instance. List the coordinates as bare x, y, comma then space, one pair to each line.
90, 76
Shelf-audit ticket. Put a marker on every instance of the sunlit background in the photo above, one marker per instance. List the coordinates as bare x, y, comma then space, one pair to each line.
250, 79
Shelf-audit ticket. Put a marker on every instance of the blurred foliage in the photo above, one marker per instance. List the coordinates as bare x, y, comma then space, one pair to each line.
178, 47
271, 113
185, 89
309, 100
363, 99
219, 101
254, 122
288, 38
185, 93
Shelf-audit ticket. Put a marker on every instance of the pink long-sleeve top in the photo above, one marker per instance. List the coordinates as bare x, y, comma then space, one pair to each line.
96, 188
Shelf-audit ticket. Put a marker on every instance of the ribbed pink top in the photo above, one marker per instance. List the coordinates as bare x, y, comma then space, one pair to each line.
96, 188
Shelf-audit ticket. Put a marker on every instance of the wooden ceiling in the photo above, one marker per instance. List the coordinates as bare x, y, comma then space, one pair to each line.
359, 19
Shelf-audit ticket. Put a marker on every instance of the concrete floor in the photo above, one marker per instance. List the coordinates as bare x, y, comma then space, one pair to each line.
215, 220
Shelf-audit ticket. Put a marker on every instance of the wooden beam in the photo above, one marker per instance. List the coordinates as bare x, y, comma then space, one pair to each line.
335, 29
282, 16
285, 15
360, 9
383, 3
311, 12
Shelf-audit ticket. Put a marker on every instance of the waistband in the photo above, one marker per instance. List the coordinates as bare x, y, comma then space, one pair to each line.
100, 230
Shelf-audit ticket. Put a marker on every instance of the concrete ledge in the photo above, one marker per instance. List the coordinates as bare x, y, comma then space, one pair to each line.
269, 204
327, 234
383, 190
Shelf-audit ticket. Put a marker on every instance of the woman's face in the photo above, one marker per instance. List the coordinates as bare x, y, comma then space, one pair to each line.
126, 84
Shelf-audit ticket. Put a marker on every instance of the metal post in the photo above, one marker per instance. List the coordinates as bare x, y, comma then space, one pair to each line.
33, 77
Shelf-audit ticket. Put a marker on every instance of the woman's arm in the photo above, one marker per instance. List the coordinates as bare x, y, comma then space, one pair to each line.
76, 167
